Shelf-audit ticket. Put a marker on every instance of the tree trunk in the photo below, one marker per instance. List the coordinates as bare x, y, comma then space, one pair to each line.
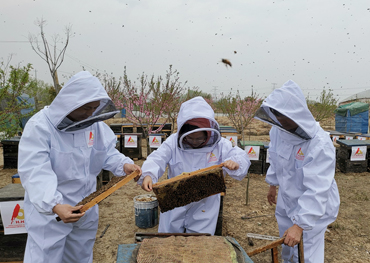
56, 82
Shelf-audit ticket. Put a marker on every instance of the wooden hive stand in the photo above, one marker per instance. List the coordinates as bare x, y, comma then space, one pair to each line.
274, 250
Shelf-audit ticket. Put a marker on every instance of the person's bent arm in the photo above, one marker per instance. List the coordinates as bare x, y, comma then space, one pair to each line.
236, 161
156, 163
35, 167
65, 212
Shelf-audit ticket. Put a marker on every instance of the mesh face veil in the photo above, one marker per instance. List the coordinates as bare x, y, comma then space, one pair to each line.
188, 141
270, 115
105, 111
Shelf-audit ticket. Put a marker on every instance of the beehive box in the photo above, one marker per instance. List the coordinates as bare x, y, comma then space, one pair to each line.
116, 127
132, 152
187, 249
230, 131
199, 243
151, 149
256, 165
343, 156
12, 246
10, 152
189, 187
347, 166
265, 161
165, 129
128, 127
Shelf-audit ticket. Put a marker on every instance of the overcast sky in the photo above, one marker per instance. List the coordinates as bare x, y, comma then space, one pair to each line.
315, 43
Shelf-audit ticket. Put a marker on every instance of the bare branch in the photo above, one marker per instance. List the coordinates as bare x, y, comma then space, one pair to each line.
49, 53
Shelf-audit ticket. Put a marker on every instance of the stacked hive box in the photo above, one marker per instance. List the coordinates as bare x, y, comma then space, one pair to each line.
266, 162
12, 246
202, 250
187, 249
352, 117
256, 165
344, 152
151, 149
10, 152
337, 134
122, 127
116, 127
364, 136
229, 132
165, 129
132, 152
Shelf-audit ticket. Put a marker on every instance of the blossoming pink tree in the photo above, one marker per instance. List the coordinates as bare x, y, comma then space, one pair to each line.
172, 93
148, 101
239, 110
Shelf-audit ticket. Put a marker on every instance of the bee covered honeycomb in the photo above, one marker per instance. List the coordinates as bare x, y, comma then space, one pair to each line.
185, 188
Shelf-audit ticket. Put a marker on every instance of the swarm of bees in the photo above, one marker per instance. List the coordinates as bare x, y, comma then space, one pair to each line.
226, 62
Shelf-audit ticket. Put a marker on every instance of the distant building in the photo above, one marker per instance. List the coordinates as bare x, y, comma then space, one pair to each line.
363, 96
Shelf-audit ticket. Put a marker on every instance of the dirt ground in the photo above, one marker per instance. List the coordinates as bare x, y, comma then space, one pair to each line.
347, 239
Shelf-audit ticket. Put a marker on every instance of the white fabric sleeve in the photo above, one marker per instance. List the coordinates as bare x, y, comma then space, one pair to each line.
318, 177
35, 170
156, 163
115, 160
271, 177
237, 155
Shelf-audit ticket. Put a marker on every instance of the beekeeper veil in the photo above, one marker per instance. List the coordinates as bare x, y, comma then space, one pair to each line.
288, 102
197, 128
81, 89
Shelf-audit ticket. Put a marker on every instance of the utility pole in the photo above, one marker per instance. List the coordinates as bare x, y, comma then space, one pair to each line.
214, 92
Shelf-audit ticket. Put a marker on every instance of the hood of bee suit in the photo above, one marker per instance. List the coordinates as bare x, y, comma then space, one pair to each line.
198, 112
289, 101
82, 88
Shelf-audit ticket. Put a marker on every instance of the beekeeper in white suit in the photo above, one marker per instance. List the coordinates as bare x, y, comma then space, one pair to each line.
62, 150
197, 144
302, 165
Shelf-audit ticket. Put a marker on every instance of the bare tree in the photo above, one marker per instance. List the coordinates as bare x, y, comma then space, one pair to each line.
49, 52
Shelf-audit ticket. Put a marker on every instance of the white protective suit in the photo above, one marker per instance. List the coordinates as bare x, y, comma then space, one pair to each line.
58, 163
302, 164
201, 216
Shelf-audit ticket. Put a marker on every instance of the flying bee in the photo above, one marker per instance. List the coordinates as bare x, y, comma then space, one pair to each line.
226, 62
